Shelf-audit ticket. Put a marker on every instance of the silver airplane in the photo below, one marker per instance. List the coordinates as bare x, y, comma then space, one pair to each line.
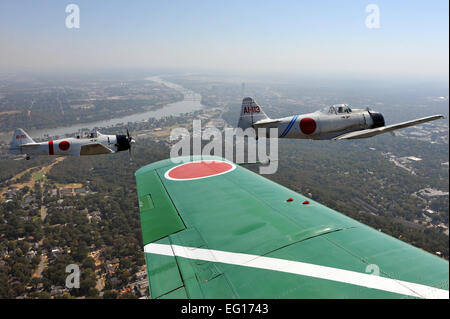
336, 122
93, 143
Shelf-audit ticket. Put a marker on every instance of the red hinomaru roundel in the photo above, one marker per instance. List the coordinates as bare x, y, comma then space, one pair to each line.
64, 145
198, 170
307, 125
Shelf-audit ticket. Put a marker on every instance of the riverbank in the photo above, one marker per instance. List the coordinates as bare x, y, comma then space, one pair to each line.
191, 102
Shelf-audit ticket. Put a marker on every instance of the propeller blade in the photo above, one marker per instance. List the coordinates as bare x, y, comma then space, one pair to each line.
130, 154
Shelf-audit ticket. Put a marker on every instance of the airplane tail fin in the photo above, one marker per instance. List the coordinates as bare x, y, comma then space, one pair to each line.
251, 112
20, 138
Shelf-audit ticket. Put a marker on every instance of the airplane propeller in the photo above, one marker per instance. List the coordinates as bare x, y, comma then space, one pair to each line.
130, 142
124, 142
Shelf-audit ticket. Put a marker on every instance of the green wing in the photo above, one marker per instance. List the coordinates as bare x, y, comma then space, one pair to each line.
235, 235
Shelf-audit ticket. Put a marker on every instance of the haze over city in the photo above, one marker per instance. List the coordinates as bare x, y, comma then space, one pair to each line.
326, 38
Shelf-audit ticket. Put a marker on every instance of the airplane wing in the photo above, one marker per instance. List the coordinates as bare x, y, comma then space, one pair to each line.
384, 129
95, 149
213, 229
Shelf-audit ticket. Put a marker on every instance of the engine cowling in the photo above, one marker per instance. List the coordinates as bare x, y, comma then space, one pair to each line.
377, 119
122, 143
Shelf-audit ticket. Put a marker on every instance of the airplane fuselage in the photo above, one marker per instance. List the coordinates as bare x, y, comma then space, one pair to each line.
337, 122
94, 145
318, 125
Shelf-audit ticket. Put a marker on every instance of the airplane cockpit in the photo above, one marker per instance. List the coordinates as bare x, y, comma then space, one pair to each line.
92, 135
338, 109
88, 135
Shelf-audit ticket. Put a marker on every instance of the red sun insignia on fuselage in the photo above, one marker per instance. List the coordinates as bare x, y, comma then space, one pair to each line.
64, 145
307, 125
198, 170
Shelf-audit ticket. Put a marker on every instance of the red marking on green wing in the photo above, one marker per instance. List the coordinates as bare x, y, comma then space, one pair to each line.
199, 169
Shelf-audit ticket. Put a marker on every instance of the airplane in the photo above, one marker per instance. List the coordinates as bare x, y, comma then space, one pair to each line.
337, 122
93, 143
213, 229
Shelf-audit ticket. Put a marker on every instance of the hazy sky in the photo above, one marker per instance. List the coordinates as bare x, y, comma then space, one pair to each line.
323, 37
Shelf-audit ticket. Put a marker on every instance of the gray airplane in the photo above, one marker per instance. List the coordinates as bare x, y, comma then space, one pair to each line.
93, 143
336, 122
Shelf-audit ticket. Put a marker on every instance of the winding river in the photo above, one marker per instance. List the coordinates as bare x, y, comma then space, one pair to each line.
191, 102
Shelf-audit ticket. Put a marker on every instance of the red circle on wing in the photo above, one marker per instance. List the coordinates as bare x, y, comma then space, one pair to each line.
307, 125
64, 145
195, 170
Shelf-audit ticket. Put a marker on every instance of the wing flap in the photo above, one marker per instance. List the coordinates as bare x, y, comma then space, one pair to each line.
179, 293
159, 217
202, 279
164, 276
385, 129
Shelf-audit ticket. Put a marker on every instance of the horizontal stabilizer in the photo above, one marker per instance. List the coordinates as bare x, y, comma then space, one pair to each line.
388, 128
265, 123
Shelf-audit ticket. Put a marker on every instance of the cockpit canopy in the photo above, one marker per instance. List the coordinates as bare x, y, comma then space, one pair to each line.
93, 134
337, 109
87, 134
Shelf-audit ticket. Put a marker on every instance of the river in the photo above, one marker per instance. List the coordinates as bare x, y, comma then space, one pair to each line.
191, 102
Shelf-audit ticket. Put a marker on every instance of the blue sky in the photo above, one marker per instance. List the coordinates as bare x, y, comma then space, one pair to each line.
326, 37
